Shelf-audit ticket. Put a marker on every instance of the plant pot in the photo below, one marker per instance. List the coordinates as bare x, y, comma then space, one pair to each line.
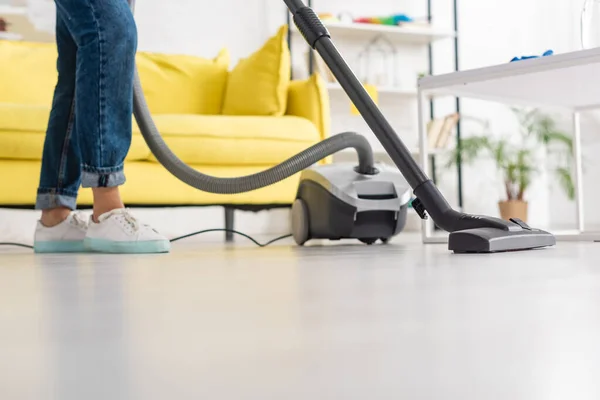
513, 209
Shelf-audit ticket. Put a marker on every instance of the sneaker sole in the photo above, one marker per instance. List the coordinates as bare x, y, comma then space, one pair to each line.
59, 247
110, 246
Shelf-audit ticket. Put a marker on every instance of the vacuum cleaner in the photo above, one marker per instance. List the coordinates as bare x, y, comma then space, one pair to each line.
367, 202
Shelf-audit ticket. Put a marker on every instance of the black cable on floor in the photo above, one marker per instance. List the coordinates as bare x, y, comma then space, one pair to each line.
16, 245
256, 242
235, 232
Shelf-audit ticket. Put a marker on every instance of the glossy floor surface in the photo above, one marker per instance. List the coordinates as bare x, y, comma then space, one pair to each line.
403, 321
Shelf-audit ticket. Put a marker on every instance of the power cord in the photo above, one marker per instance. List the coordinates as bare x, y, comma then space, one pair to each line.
256, 242
235, 232
16, 245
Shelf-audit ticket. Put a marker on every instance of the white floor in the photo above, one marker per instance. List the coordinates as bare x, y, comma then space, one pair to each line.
347, 321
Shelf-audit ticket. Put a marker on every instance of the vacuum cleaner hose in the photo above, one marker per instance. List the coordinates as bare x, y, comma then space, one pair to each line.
212, 184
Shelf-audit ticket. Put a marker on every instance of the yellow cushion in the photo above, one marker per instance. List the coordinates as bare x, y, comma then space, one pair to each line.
172, 83
310, 99
233, 141
23, 130
258, 84
181, 84
27, 72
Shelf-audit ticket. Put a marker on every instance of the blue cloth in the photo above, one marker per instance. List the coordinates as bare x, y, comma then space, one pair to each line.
546, 54
90, 125
400, 18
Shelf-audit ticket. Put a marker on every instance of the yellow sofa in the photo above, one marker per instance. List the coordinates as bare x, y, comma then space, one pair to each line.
216, 144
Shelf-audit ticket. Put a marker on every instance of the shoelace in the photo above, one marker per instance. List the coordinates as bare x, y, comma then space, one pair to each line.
131, 220
127, 217
79, 221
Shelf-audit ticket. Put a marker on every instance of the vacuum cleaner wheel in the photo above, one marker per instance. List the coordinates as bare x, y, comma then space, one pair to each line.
368, 242
300, 222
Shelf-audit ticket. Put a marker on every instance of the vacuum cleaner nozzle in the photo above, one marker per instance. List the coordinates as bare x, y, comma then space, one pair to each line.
515, 235
477, 233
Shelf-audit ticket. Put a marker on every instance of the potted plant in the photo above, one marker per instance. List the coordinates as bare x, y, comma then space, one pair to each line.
517, 158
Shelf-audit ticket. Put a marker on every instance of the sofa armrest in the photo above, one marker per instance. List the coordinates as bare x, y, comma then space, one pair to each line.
310, 99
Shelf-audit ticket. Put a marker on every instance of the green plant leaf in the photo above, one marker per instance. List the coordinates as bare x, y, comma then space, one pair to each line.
547, 132
527, 119
524, 171
544, 129
500, 150
470, 149
566, 140
510, 171
517, 162
566, 181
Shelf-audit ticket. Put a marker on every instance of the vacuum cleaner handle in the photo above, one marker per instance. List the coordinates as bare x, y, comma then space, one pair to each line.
294, 5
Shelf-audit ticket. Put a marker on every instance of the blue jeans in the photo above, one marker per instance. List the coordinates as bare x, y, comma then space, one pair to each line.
89, 131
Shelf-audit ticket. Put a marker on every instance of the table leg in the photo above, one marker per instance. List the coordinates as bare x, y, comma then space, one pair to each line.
426, 225
433, 172
229, 223
578, 172
433, 168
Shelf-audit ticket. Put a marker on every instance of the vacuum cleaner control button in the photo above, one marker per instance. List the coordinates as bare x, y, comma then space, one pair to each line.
521, 223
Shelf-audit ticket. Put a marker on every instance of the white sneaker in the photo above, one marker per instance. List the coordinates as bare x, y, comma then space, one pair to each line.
118, 231
66, 237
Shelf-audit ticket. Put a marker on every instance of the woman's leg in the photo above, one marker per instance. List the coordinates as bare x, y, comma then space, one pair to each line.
60, 176
106, 37
59, 230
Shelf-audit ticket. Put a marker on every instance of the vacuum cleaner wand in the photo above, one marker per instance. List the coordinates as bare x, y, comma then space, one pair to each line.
468, 233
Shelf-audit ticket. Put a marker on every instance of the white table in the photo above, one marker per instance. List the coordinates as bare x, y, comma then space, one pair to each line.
569, 81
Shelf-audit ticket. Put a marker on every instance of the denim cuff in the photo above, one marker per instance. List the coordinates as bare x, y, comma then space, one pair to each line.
47, 200
102, 177
99, 179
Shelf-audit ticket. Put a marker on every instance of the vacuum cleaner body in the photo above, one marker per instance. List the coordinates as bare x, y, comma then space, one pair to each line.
336, 202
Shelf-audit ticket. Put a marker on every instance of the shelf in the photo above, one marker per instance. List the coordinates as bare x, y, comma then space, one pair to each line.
334, 87
380, 155
10, 36
568, 80
12, 10
421, 35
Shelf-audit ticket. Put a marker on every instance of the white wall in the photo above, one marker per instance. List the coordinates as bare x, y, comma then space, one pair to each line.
200, 27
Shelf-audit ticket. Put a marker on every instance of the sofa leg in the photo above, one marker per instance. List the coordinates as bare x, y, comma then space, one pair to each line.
229, 223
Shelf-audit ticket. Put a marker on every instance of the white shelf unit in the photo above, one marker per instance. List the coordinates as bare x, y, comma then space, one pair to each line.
381, 157
407, 34
565, 81
10, 36
334, 87
6, 10
11, 11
